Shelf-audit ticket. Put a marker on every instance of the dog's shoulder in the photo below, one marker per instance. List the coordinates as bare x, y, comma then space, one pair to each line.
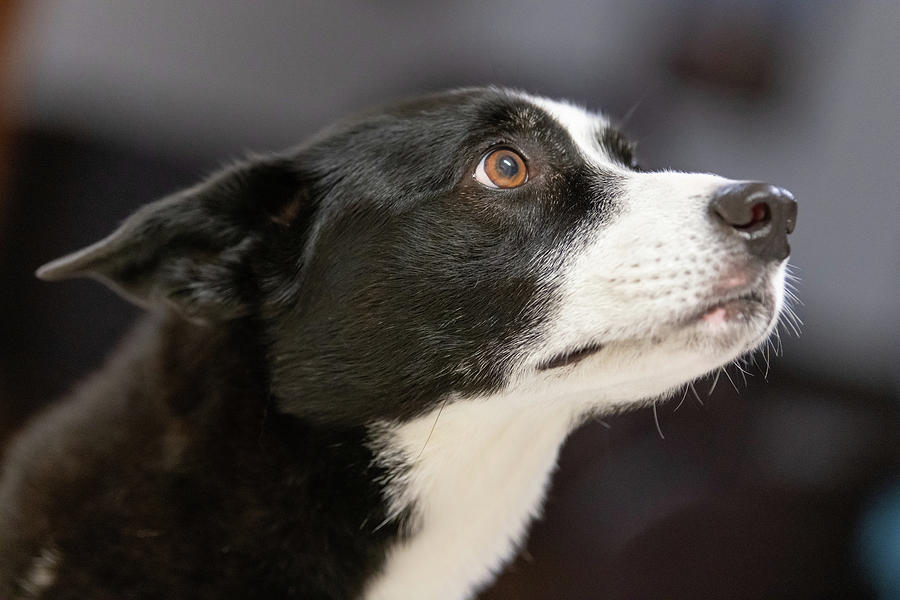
76, 456
170, 467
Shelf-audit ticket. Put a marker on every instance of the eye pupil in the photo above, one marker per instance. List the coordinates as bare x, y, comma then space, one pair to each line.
507, 167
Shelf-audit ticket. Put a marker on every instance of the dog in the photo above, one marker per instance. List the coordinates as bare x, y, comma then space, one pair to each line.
361, 356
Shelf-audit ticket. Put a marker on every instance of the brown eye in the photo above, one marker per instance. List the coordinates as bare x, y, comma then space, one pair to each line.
502, 168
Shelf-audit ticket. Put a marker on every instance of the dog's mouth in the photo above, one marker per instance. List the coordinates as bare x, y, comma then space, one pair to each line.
571, 357
735, 308
722, 314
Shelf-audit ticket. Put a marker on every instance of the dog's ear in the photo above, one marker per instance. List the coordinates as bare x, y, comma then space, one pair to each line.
193, 250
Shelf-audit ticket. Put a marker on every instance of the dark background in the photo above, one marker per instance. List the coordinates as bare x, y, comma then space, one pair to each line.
785, 488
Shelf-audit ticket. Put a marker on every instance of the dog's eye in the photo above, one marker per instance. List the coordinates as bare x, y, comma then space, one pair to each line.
502, 169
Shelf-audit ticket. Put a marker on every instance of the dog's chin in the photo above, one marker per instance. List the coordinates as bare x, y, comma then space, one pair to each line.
731, 326
725, 328
688, 346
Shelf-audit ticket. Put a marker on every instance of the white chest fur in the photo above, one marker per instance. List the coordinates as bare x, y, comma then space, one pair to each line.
475, 486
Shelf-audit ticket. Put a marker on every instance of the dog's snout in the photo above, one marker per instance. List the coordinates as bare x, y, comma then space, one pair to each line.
761, 213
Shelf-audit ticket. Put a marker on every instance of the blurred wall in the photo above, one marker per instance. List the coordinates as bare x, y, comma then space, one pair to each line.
8, 15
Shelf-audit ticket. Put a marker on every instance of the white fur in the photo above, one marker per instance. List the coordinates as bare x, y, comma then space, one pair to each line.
582, 125
475, 486
638, 284
41, 574
657, 260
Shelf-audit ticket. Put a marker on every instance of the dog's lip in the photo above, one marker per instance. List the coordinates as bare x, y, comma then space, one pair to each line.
570, 357
724, 308
730, 304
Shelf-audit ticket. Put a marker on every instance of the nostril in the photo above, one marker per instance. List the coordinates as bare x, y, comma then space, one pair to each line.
760, 214
747, 206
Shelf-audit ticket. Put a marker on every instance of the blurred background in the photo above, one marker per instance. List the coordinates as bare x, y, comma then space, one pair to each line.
785, 485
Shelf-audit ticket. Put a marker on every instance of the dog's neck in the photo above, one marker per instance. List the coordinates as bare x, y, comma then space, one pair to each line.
472, 475
448, 495
306, 485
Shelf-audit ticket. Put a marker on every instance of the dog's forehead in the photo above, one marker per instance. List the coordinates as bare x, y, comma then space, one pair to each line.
583, 126
511, 109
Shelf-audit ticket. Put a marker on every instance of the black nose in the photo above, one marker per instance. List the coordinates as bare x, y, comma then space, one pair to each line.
761, 213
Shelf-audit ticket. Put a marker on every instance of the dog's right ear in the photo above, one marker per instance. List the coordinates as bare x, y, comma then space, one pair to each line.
192, 250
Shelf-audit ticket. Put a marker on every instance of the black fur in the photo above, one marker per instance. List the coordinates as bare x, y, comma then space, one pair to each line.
361, 277
186, 482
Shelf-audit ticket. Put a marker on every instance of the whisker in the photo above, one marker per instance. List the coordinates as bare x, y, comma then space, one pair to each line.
791, 295
680, 402
433, 425
696, 395
743, 373
597, 419
623, 122
656, 419
755, 358
792, 321
715, 381
724, 370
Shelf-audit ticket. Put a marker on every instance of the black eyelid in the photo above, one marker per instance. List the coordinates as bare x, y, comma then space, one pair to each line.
505, 146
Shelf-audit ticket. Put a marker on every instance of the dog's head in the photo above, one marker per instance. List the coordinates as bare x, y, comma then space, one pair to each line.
461, 244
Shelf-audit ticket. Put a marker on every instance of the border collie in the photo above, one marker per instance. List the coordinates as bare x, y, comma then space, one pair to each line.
361, 356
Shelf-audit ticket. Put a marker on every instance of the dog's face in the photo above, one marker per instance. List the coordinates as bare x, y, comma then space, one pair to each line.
459, 245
